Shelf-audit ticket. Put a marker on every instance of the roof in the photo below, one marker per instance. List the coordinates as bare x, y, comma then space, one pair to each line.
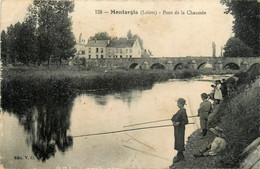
97, 43
80, 44
121, 43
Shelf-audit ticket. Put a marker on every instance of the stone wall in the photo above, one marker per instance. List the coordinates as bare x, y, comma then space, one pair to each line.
173, 63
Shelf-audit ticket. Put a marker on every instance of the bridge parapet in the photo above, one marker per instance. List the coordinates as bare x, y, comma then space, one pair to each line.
173, 63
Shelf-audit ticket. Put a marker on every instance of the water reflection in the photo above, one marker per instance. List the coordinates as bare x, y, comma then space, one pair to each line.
102, 97
45, 116
50, 116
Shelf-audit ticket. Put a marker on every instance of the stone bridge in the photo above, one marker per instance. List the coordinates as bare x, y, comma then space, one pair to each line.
174, 63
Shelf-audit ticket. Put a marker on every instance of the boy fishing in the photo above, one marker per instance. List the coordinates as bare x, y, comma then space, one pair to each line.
203, 113
179, 121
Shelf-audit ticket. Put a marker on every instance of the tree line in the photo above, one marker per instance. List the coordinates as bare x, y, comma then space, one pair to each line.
45, 35
246, 28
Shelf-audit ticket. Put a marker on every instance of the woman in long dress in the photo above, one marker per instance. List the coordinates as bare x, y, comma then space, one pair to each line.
218, 94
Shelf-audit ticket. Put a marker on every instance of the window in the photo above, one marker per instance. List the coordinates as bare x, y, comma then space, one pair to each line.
130, 56
97, 56
116, 56
102, 50
109, 56
102, 56
96, 50
83, 52
89, 56
126, 50
130, 50
89, 50
121, 51
121, 56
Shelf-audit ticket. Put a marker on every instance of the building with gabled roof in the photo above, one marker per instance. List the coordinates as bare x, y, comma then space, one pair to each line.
124, 48
118, 48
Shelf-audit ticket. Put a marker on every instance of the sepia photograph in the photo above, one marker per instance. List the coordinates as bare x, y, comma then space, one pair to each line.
130, 84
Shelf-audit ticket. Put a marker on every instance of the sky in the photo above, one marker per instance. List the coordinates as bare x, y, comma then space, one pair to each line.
164, 35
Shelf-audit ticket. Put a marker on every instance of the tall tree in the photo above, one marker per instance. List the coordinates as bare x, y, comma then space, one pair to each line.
26, 44
129, 35
55, 38
66, 41
246, 24
213, 49
134, 37
13, 38
30, 25
101, 36
4, 53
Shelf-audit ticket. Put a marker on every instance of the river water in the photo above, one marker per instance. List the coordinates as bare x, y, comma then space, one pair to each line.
24, 146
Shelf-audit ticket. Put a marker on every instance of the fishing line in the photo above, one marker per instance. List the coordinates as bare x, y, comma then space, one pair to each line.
127, 130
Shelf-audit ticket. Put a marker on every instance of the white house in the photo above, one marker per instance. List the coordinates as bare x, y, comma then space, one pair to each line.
119, 48
123, 48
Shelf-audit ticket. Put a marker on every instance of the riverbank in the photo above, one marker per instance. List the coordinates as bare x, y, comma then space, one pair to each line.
239, 116
82, 79
77, 72
63, 83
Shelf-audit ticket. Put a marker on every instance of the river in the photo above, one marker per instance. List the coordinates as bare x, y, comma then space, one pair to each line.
42, 136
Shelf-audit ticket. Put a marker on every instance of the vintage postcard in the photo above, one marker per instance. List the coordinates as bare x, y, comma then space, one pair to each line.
129, 84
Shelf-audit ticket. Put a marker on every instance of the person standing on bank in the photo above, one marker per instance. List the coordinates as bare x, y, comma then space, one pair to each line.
218, 94
203, 112
224, 88
179, 121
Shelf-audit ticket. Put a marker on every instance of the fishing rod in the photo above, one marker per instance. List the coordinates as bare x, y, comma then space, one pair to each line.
192, 111
144, 152
151, 122
126, 130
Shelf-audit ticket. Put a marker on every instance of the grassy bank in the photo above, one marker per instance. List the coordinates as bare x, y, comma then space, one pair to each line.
239, 116
59, 84
82, 79
31, 83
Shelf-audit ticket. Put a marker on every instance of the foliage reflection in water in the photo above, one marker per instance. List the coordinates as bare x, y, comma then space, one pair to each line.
44, 113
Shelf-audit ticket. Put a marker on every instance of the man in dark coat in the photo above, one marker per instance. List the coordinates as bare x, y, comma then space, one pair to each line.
224, 88
179, 121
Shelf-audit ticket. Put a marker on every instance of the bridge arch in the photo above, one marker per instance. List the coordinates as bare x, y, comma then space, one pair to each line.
179, 66
135, 66
254, 64
232, 66
157, 66
205, 65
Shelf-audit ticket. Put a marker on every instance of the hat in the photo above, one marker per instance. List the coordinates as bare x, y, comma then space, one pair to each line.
182, 101
217, 131
204, 95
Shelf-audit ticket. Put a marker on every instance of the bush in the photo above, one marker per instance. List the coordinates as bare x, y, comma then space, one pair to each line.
241, 124
248, 77
239, 115
236, 48
186, 73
